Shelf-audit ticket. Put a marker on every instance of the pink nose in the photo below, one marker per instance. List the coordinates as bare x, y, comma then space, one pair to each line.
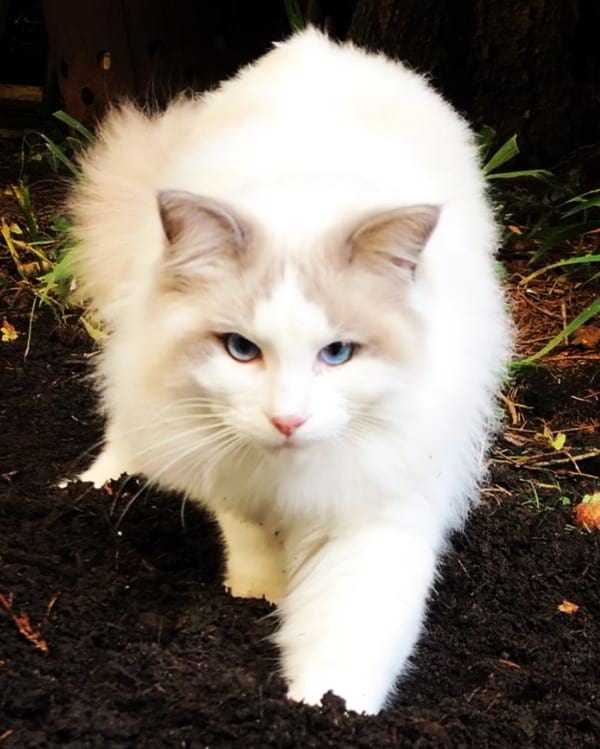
287, 425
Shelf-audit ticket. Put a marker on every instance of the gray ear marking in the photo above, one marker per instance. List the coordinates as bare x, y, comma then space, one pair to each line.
399, 235
196, 226
182, 211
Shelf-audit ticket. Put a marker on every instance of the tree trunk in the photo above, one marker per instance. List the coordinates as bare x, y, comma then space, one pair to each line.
526, 66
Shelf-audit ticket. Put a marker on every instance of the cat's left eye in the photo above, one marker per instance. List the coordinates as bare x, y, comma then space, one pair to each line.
240, 348
338, 352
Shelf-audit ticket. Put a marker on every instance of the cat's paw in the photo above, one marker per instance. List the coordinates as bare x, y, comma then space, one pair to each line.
310, 689
108, 466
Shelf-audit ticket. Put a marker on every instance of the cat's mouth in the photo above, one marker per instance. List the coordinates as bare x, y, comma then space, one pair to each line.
287, 445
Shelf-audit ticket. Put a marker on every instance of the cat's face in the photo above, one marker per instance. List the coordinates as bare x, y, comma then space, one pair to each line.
286, 354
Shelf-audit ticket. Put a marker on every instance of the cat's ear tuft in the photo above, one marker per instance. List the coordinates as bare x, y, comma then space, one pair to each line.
397, 236
196, 227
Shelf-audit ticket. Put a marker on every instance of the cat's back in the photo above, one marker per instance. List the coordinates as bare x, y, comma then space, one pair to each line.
310, 135
314, 106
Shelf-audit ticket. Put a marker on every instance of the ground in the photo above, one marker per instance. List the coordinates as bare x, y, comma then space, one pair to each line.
115, 630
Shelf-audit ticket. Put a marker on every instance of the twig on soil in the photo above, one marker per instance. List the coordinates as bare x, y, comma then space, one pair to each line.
30, 328
512, 409
23, 624
563, 472
569, 459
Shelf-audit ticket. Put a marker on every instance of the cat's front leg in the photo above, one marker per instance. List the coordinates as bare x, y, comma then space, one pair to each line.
110, 464
352, 615
254, 559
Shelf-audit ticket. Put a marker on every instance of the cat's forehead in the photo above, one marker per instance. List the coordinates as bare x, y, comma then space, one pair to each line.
286, 317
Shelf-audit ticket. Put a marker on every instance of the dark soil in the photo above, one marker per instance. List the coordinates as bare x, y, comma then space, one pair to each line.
144, 648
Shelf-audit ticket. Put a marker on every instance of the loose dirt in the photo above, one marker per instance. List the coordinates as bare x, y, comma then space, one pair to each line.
145, 649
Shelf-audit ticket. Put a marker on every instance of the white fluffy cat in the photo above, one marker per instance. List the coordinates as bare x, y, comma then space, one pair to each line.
305, 335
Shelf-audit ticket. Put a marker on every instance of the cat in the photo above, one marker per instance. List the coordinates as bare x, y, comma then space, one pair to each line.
305, 334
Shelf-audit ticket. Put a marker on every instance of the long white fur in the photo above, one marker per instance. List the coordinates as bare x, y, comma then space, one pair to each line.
352, 521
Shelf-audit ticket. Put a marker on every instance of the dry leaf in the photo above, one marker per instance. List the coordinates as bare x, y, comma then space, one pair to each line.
587, 512
568, 607
587, 336
8, 331
506, 662
515, 229
557, 441
23, 624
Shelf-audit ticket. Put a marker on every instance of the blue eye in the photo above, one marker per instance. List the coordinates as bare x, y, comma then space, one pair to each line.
240, 348
336, 353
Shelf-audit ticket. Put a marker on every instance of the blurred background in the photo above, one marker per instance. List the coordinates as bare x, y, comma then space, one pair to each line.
529, 67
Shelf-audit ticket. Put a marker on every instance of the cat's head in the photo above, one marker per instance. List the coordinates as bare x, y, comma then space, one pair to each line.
289, 348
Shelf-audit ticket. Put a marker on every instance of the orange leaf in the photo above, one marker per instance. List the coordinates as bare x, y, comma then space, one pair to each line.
23, 624
568, 607
8, 331
587, 512
587, 336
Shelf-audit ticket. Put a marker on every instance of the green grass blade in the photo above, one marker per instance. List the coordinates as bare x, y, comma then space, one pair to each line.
294, 14
542, 174
75, 124
484, 139
505, 153
61, 224
560, 263
555, 235
590, 311
584, 205
23, 197
58, 155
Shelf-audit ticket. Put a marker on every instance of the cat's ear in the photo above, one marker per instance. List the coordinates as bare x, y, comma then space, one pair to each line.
394, 238
197, 229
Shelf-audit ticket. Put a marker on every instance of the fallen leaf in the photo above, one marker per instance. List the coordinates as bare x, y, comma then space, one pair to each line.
23, 624
8, 331
515, 229
557, 441
568, 607
587, 512
36, 268
506, 662
587, 336
51, 604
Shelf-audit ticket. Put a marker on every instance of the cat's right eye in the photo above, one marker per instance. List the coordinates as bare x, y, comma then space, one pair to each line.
240, 348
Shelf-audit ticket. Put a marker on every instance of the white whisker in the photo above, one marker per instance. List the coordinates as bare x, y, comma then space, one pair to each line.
222, 440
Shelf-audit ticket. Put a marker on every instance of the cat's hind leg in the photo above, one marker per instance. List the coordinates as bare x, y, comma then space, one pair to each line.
255, 566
